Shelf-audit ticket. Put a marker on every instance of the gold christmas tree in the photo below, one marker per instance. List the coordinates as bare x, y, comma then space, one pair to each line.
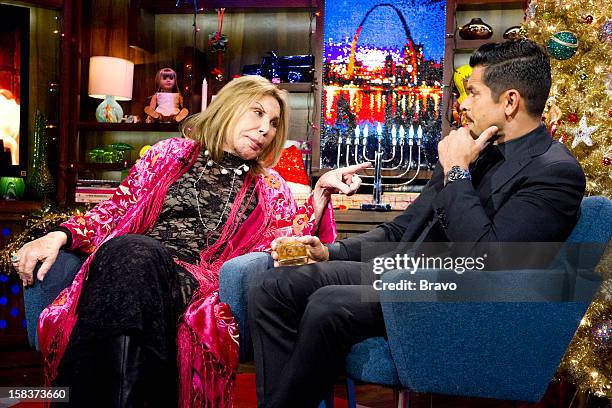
578, 36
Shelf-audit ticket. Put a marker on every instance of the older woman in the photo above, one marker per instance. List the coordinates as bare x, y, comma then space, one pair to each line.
148, 288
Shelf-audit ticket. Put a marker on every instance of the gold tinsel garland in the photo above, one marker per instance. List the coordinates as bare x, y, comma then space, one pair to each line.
37, 225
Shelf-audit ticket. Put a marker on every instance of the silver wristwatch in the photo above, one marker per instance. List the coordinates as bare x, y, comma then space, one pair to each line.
458, 173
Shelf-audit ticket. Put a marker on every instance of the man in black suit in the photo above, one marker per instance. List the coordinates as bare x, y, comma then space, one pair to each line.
499, 179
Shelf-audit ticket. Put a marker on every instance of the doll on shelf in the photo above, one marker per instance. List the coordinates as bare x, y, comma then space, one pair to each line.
167, 103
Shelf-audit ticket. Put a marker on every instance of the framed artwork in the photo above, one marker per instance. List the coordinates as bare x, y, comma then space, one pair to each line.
382, 82
14, 56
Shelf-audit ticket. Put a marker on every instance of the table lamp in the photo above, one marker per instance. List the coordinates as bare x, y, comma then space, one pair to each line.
110, 79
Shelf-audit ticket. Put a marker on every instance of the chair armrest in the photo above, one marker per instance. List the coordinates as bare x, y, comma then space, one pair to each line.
236, 276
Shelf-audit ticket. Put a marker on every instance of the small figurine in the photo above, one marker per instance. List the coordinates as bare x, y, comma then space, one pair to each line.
167, 103
552, 115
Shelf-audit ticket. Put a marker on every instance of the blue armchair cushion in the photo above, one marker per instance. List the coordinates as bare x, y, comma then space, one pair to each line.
371, 361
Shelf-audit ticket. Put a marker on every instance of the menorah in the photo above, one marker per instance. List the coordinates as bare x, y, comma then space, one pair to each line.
401, 145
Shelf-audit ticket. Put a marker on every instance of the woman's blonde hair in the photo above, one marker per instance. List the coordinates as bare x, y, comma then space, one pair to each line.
213, 127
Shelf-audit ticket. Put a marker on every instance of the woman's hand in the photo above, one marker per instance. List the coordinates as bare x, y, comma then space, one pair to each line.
344, 180
317, 252
44, 249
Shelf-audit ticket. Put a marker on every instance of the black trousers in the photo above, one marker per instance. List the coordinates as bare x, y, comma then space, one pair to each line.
304, 321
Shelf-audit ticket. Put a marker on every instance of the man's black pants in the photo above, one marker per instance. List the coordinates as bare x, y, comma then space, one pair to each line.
304, 321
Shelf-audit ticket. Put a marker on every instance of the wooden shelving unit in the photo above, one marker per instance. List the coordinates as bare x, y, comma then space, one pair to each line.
128, 127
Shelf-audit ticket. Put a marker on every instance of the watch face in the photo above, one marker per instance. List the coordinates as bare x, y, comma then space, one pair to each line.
457, 173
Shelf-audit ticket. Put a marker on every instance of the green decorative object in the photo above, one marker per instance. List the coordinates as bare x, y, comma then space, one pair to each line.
40, 182
562, 45
546, 16
120, 146
95, 155
12, 188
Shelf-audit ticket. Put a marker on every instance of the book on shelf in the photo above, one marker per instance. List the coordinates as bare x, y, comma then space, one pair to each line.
94, 191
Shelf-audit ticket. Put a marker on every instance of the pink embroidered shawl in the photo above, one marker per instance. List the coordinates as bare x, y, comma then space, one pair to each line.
207, 333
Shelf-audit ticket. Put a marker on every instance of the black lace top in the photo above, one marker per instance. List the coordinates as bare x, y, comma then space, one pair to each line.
180, 227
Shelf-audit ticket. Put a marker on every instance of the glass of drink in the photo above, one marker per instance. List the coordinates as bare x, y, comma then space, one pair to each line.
290, 251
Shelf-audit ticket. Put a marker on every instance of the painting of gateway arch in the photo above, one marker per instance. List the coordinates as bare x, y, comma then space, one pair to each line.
382, 82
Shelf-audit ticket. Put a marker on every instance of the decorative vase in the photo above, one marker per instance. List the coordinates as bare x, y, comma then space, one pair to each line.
109, 111
11, 188
476, 29
40, 182
512, 33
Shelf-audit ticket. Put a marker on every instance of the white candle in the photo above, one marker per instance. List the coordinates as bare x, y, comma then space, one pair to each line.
204, 94
420, 133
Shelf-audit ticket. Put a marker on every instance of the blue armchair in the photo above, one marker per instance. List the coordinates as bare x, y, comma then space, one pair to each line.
504, 350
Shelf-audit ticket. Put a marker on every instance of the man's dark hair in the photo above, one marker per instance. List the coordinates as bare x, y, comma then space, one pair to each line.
522, 65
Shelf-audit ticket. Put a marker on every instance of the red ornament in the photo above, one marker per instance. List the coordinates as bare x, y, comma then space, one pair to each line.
606, 161
572, 118
562, 138
587, 18
610, 113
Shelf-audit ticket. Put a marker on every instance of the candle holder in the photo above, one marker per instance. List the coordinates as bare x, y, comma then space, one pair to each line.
403, 155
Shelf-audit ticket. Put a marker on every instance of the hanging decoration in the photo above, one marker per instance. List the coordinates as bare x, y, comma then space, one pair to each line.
605, 32
562, 45
218, 43
582, 133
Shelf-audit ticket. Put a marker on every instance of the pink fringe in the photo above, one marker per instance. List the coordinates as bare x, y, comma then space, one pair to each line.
211, 384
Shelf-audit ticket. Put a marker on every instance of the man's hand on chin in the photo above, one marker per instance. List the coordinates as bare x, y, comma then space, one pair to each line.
459, 148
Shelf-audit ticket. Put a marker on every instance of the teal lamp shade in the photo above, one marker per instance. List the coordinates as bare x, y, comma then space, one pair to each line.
110, 79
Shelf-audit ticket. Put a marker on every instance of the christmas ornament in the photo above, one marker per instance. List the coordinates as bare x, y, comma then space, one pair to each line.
610, 113
563, 138
582, 133
606, 161
546, 16
572, 118
562, 45
605, 32
584, 76
587, 18
602, 333
217, 42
